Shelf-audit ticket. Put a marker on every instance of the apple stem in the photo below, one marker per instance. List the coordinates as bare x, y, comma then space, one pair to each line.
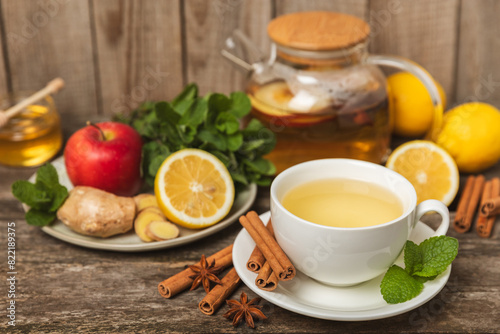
98, 128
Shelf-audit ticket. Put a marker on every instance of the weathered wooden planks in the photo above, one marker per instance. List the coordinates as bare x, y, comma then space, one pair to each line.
478, 70
207, 25
423, 31
51, 38
138, 52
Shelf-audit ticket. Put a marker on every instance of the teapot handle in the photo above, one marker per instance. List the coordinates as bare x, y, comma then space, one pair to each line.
424, 77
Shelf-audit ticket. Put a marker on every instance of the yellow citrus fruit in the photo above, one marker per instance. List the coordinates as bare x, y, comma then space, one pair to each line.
470, 133
194, 189
411, 104
429, 168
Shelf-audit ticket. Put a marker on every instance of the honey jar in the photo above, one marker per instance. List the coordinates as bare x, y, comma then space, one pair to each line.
31, 137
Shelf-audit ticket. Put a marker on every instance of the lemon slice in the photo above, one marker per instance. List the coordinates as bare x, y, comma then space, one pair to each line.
430, 169
194, 189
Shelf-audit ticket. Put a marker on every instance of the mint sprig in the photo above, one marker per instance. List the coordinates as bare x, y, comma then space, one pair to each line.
423, 262
43, 197
210, 123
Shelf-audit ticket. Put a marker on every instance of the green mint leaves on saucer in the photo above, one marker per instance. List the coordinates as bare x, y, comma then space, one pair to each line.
423, 263
43, 197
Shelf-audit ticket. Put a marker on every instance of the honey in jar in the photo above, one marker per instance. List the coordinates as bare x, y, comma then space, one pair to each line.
31, 137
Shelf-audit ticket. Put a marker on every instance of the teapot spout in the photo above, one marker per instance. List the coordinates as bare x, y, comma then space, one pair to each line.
242, 52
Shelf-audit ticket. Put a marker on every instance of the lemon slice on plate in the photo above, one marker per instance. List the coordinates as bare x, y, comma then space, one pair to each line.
429, 168
194, 189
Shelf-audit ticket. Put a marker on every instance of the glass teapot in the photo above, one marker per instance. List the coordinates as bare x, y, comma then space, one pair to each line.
320, 91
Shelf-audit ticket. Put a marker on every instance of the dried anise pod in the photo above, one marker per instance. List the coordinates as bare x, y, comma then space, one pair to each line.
248, 310
204, 273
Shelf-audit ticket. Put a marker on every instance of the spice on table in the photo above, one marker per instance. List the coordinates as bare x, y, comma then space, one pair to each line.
181, 281
272, 251
491, 207
257, 259
204, 273
487, 218
468, 203
244, 309
267, 279
214, 299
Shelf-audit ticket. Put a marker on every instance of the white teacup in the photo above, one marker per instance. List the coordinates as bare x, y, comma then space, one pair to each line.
347, 256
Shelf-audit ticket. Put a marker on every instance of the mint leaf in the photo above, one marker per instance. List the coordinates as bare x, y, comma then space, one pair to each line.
47, 175
234, 141
412, 257
196, 114
240, 104
60, 193
189, 93
215, 139
44, 197
31, 195
39, 217
398, 286
437, 254
227, 123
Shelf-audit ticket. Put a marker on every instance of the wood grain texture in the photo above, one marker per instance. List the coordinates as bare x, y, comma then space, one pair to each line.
139, 52
51, 38
66, 288
353, 7
208, 24
3, 64
423, 31
478, 70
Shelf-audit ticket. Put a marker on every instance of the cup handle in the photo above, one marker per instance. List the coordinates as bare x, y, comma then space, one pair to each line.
424, 76
440, 208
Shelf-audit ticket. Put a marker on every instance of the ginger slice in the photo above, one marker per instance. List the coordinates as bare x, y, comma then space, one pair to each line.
142, 221
143, 201
161, 230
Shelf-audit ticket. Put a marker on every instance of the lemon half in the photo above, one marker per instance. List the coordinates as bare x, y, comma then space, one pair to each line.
429, 168
194, 189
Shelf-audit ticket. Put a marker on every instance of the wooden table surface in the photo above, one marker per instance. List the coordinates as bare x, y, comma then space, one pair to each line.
65, 288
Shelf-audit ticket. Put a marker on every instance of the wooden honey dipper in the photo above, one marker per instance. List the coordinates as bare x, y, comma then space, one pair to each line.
52, 87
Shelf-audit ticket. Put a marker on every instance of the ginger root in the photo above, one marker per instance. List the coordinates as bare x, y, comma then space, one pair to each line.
143, 201
97, 213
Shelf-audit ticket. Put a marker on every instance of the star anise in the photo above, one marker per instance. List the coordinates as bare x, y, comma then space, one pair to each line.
204, 273
248, 310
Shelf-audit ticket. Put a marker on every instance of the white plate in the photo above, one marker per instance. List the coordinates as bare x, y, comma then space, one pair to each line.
130, 242
306, 296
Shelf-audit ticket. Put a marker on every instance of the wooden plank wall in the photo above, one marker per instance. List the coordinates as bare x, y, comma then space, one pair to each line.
114, 54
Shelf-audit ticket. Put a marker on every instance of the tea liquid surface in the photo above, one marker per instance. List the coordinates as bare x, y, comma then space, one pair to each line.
343, 203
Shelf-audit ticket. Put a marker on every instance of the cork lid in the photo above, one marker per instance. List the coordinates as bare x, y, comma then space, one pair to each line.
317, 31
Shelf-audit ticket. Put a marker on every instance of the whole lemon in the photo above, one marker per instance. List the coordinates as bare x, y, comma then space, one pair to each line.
411, 104
470, 133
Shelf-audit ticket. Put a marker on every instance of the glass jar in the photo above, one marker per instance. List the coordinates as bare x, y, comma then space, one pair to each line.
31, 137
320, 91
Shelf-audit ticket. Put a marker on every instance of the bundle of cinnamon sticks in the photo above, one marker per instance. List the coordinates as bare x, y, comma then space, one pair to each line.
216, 297
267, 258
481, 197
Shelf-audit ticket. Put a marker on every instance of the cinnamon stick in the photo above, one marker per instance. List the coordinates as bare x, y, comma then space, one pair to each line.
257, 259
484, 228
273, 253
468, 203
482, 219
491, 207
214, 299
181, 281
267, 279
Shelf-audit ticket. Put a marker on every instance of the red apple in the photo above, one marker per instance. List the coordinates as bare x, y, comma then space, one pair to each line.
106, 156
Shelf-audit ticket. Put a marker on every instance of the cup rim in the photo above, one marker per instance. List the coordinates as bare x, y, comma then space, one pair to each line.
286, 172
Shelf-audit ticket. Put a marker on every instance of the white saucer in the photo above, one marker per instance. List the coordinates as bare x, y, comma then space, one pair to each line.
306, 296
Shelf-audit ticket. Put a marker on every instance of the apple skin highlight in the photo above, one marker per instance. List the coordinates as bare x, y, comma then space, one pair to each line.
111, 163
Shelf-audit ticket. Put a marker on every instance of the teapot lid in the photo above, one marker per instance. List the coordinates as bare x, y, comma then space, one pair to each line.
318, 31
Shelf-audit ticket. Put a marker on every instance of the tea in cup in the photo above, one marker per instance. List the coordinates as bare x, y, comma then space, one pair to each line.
344, 221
